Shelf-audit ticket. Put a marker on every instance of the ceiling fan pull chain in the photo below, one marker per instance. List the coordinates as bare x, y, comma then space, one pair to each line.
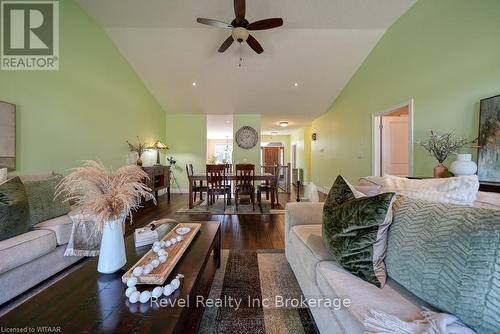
241, 56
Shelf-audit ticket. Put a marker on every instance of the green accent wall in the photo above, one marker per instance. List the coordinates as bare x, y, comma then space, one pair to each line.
443, 54
87, 109
240, 155
186, 135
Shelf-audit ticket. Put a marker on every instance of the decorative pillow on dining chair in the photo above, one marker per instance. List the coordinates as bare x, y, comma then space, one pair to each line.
355, 231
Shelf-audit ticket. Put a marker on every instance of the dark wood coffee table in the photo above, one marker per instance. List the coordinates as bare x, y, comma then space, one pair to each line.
90, 302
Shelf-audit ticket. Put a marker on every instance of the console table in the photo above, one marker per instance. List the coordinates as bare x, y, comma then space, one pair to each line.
159, 178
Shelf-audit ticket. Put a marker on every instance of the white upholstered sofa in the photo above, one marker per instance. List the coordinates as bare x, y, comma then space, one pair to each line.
32, 257
320, 277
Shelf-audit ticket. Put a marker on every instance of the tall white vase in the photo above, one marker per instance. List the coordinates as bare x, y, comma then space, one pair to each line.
112, 254
463, 165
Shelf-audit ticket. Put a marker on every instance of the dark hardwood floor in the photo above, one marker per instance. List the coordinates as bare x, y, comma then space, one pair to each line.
238, 231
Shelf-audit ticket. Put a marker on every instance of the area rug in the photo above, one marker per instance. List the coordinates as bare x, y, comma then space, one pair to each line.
257, 279
200, 207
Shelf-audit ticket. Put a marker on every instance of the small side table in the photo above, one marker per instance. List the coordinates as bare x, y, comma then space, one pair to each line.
159, 178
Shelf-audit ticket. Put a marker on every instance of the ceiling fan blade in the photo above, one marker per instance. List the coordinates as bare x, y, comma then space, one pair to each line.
227, 43
265, 24
213, 23
254, 44
239, 10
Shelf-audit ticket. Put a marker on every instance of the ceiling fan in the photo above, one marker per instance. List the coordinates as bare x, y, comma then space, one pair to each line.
240, 27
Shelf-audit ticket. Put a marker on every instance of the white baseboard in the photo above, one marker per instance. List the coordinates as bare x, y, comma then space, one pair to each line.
175, 190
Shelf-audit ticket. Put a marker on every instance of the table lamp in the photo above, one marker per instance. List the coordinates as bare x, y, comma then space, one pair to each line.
158, 145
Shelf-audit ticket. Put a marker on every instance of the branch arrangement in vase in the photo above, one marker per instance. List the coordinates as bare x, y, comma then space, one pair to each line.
138, 148
441, 146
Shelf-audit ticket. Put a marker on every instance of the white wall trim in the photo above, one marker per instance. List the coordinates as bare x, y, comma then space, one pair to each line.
376, 136
175, 190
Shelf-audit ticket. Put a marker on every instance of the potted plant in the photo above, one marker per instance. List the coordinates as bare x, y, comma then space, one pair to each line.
440, 146
109, 197
138, 149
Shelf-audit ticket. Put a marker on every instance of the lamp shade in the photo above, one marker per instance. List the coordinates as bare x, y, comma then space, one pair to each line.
158, 145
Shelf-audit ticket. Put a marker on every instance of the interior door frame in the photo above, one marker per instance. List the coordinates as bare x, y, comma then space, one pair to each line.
376, 137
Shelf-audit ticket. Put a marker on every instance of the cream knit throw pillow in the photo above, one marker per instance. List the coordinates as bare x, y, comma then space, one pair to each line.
453, 190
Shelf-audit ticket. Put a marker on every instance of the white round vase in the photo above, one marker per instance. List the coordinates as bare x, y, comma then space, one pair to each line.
463, 165
112, 256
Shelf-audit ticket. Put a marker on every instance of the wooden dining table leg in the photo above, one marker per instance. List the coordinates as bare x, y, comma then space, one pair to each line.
190, 192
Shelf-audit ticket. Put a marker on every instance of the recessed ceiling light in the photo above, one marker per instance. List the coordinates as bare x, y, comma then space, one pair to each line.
295, 84
274, 133
194, 84
227, 122
283, 124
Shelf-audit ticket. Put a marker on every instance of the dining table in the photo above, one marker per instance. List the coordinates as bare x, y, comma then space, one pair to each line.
266, 177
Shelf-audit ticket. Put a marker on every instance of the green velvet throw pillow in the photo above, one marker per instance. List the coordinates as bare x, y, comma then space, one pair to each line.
355, 231
42, 202
13, 209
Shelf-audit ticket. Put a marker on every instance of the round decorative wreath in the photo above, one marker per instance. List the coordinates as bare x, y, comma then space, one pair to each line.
246, 137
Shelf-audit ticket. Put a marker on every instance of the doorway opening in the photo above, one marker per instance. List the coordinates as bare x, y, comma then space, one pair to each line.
393, 141
272, 154
219, 139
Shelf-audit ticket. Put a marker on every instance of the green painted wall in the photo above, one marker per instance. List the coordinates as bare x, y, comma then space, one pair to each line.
186, 136
302, 139
443, 54
241, 155
87, 109
285, 139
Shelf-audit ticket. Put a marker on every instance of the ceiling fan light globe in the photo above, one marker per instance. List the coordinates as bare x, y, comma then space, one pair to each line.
240, 34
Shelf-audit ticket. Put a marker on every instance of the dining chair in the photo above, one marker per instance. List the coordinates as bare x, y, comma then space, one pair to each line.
200, 188
265, 187
245, 183
217, 185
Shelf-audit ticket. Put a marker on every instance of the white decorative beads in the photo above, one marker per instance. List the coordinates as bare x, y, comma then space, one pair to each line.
132, 281
175, 283
147, 269
167, 290
138, 271
134, 297
145, 296
129, 291
157, 292
162, 252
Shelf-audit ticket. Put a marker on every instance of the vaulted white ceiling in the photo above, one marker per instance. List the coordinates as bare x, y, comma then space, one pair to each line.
320, 46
